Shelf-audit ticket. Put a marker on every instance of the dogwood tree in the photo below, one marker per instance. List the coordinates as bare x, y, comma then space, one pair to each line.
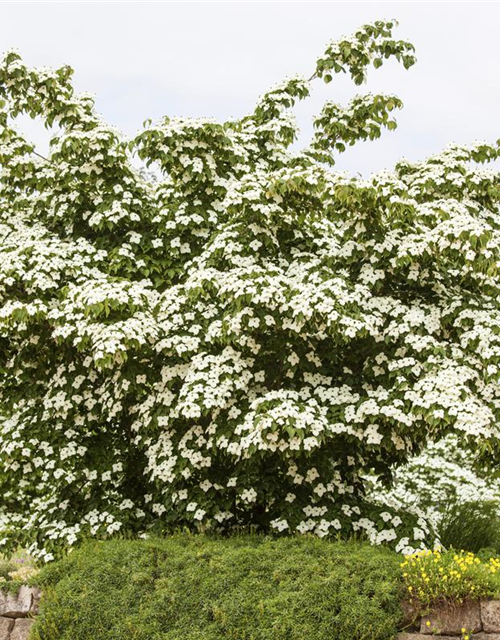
241, 340
438, 481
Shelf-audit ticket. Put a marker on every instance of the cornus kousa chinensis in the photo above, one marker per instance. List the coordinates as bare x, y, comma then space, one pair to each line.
239, 335
440, 479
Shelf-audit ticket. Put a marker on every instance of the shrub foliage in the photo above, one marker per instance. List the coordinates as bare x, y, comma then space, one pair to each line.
241, 588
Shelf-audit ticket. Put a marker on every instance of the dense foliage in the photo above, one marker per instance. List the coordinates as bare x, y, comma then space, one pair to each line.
240, 341
16, 571
442, 485
241, 588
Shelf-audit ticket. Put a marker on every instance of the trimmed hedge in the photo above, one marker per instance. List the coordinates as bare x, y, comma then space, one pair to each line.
189, 587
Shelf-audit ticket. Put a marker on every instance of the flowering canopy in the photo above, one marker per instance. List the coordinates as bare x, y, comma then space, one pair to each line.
433, 483
239, 341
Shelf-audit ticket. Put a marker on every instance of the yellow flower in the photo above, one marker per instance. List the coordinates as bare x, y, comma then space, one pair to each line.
428, 623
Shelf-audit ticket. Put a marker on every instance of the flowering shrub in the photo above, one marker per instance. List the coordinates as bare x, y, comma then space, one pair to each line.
439, 481
241, 340
451, 576
18, 570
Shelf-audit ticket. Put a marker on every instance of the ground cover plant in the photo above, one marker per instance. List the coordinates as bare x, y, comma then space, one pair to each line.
16, 570
241, 340
451, 576
240, 588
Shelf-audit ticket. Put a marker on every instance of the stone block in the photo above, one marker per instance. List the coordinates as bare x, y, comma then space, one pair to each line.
449, 619
35, 604
18, 605
404, 635
6, 625
21, 629
490, 616
411, 616
486, 636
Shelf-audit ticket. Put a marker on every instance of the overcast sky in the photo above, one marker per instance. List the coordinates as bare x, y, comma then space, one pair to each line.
214, 59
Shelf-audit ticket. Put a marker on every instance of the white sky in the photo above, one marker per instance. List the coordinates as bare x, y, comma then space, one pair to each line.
149, 59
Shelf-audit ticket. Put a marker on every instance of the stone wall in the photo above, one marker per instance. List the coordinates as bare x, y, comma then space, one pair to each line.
17, 611
477, 620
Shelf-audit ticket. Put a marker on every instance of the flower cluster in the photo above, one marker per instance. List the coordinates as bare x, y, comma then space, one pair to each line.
18, 570
440, 477
240, 339
449, 576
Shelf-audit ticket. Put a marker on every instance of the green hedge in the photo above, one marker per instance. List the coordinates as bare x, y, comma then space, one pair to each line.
241, 588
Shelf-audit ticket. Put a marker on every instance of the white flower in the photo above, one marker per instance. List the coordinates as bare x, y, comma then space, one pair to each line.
249, 495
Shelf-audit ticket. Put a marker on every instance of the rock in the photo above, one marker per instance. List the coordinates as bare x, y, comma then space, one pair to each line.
490, 616
35, 604
18, 605
404, 635
21, 629
6, 625
449, 619
411, 615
